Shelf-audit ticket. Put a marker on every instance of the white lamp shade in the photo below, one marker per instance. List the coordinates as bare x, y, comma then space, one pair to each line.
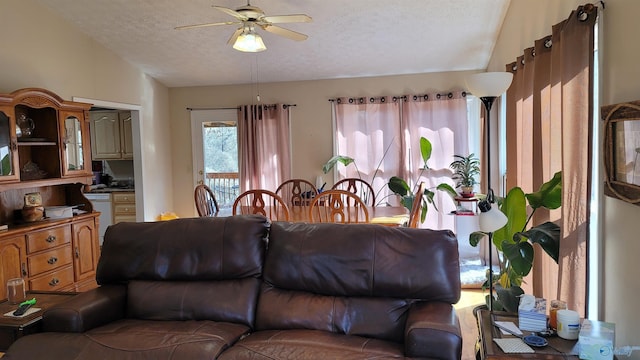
249, 42
489, 83
492, 220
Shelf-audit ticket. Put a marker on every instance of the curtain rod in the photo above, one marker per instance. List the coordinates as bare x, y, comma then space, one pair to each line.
362, 99
232, 108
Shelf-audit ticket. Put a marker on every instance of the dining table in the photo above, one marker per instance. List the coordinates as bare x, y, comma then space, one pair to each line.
383, 215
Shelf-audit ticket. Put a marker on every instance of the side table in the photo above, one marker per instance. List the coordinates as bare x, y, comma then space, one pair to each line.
558, 348
472, 200
13, 328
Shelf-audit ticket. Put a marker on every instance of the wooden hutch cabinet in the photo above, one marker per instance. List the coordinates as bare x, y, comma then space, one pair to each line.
45, 148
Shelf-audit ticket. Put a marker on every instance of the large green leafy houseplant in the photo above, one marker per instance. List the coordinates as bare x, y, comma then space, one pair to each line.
515, 240
402, 189
398, 185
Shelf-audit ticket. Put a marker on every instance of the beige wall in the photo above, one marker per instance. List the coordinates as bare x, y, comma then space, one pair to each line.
620, 73
312, 140
39, 49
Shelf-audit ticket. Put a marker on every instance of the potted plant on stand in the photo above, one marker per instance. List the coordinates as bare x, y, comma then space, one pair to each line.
465, 171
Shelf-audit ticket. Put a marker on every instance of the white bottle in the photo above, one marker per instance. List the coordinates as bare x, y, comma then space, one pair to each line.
568, 324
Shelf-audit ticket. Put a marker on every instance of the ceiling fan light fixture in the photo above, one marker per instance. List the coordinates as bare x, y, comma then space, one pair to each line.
249, 41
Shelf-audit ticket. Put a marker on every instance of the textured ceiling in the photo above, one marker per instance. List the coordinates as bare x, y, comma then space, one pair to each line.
353, 38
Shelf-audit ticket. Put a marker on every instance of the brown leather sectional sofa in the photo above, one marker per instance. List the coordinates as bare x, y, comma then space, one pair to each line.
242, 288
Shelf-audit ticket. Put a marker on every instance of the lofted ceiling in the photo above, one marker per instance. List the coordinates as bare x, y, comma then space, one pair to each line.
353, 38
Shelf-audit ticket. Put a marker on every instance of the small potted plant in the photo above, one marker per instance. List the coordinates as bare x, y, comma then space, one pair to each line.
465, 170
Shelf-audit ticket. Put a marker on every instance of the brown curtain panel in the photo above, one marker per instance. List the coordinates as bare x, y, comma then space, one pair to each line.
549, 129
264, 144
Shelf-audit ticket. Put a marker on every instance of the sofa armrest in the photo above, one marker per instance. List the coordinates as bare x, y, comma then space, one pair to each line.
87, 310
433, 331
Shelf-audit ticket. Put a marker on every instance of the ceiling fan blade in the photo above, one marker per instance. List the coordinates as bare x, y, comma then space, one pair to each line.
231, 12
281, 19
234, 36
206, 25
293, 35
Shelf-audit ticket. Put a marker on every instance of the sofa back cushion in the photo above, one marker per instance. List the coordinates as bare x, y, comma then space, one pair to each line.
354, 278
187, 269
197, 249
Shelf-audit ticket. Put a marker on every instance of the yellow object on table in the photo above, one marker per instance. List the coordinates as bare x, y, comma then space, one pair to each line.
398, 220
167, 216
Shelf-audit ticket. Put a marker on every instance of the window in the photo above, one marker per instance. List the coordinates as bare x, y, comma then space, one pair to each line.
383, 134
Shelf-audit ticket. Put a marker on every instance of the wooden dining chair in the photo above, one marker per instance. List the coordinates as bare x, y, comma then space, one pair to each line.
206, 202
414, 216
297, 194
338, 206
359, 187
262, 202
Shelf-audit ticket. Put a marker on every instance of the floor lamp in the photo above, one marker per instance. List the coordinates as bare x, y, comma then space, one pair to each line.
488, 86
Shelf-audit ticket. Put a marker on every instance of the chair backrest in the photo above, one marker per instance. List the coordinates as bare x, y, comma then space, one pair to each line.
297, 194
359, 187
262, 202
414, 216
206, 202
338, 206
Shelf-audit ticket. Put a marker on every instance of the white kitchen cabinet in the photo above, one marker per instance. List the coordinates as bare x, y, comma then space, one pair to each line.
111, 137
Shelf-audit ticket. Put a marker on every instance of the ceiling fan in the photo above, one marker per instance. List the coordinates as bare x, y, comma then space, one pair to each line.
245, 38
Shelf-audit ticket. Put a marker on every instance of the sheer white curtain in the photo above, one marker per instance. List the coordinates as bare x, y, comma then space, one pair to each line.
386, 131
366, 128
442, 119
264, 144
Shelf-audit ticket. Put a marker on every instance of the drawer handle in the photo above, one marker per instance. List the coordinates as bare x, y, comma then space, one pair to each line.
52, 260
54, 282
50, 239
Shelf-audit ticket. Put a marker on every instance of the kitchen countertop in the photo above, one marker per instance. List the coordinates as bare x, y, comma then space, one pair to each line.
110, 190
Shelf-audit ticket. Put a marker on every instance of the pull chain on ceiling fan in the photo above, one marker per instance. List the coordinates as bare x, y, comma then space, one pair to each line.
245, 38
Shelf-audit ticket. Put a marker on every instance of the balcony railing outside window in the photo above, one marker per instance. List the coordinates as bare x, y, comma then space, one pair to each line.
225, 186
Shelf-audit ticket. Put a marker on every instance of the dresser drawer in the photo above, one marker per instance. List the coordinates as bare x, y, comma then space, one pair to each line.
124, 197
124, 209
47, 239
55, 281
124, 218
49, 260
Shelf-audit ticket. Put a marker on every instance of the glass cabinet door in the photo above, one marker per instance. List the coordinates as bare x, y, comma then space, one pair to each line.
74, 153
8, 149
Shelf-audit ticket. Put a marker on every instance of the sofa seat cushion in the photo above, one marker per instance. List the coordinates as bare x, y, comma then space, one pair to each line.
311, 344
134, 339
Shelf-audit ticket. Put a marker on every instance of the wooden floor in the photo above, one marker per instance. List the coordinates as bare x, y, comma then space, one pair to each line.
464, 308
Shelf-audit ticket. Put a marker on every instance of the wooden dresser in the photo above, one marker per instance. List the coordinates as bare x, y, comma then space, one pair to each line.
51, 255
